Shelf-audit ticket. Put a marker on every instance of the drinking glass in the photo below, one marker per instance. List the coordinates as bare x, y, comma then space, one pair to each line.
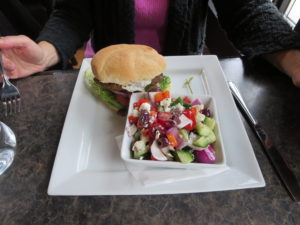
8, 144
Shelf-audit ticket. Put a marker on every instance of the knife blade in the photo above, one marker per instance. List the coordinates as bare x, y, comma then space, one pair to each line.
283, 170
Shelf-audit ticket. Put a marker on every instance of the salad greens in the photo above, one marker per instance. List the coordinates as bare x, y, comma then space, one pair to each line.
102, 93
165, 83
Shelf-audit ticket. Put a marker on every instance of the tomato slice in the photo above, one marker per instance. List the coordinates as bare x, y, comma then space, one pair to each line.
135, 105
139, 102
187, 100
132, 119
123, 100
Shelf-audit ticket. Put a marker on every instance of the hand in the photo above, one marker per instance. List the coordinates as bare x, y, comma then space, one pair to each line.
23, 57
288, 62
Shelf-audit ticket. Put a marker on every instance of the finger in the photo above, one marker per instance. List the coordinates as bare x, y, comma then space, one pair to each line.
8, 64
15, 74
296, 79
18, 41
12, 72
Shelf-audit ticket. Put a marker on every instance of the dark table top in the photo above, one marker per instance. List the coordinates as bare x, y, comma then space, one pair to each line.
270, 96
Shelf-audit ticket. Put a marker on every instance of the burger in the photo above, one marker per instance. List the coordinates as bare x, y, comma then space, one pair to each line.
119, 70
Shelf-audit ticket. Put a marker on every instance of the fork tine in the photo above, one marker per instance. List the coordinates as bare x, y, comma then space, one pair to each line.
14, 105
10, 95
5, 107
19, 104
10, 106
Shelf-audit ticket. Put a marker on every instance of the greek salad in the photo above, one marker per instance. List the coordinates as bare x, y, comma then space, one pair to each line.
172, 129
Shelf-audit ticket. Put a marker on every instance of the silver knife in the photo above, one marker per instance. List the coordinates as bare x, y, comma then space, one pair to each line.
281, 167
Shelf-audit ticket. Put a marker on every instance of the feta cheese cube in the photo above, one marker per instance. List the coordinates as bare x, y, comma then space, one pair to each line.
145, 106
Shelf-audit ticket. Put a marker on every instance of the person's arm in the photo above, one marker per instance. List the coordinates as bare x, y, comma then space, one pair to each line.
257, 29
68, 27
288, 62
51, 56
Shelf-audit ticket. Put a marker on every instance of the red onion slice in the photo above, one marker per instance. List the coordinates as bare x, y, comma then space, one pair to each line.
126, 94
205, 155
196, 102
176, 134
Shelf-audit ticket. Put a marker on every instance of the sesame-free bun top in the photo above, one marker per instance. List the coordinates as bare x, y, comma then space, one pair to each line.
125, 63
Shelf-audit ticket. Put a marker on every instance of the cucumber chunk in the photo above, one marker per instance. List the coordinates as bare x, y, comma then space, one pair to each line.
201, 142
139, 149
183, 156
185, 135
200, 117
210, 122
204, 141
203, 130
211, 137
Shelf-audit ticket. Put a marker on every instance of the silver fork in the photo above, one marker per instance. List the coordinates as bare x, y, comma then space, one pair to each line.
10, 95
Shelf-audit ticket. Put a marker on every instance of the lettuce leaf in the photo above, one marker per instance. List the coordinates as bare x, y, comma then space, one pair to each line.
100, 92
165, 83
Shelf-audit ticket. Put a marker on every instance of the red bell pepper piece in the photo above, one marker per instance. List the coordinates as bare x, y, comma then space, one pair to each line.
189, 114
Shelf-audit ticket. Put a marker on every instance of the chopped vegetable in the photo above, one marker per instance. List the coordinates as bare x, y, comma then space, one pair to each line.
196, 102
206, 155
177, 101
156, 152
183, 156
187, 100
139, 149
172, 140
141, 101
189, 114
133, 119
161, 96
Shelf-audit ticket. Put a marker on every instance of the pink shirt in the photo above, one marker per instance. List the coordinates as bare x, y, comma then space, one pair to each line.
150, 23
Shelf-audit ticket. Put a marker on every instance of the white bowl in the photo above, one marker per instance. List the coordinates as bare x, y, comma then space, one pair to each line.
209, 103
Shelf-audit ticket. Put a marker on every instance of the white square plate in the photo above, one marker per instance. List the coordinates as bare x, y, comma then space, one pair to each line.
209, 103
88, 160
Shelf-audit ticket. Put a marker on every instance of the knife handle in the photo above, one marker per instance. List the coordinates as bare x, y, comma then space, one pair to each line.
238, 97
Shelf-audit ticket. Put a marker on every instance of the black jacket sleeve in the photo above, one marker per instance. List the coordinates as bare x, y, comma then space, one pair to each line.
256, 27
68, 27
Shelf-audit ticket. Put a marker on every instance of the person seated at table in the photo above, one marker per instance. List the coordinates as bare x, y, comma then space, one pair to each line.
176, 27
